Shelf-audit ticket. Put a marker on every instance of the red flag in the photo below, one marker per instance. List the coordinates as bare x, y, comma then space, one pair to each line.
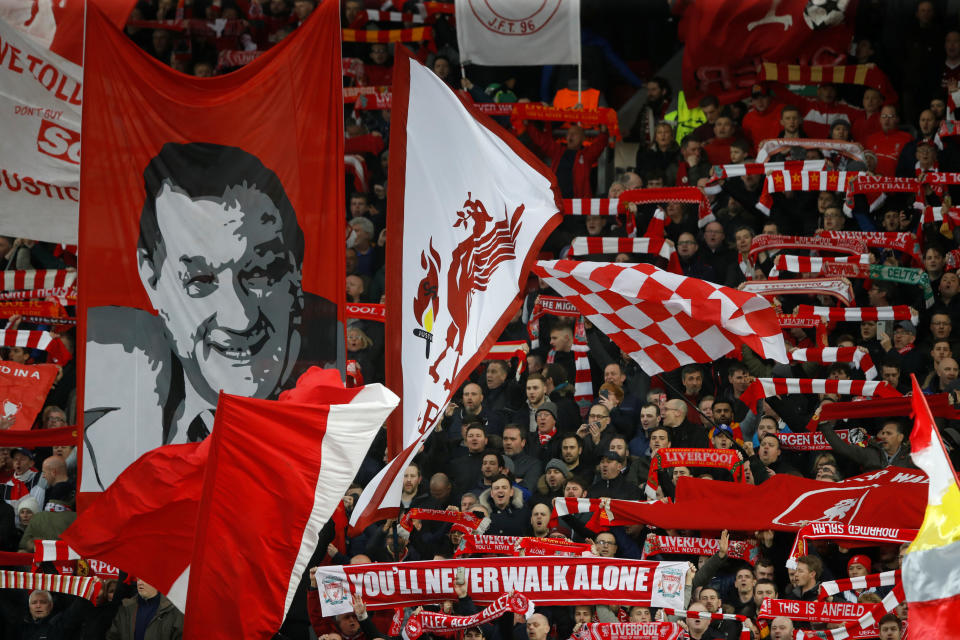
185, 503
723, 41
211, 248
23, 388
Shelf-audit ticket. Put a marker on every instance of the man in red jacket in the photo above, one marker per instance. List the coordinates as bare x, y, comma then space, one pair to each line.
888, 142
569, 160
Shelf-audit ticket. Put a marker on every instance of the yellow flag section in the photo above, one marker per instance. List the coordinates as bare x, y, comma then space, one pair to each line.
931, 567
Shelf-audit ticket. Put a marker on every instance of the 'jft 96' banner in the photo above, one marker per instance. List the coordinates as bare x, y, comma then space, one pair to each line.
547, 581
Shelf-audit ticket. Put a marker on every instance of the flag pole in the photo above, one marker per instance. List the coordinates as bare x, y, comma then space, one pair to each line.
580, 85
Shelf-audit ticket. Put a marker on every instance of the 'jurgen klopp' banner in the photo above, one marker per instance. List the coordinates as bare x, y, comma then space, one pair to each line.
518, 32
547, 581
458, 254
212, 235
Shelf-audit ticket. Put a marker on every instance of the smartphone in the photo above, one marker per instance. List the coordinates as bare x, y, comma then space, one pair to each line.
883, 326
604, 393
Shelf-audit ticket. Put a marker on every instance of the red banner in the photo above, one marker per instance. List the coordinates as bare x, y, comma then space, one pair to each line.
728, 459
724, 41
629, 631
23, 389
811, 440
366, 311
444, 624
737, 549
548, 581
211, 254
891, 497
517, 546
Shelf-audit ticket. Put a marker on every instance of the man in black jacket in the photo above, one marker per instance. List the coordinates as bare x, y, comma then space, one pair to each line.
612, 483
889, 447
682, 433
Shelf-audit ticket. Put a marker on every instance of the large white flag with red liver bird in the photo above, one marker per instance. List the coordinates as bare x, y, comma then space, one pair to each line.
469, 209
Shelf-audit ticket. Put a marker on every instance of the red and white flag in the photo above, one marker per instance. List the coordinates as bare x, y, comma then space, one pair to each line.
931, 566
184, 503
23, 390
664, 320
458, 255
518, 32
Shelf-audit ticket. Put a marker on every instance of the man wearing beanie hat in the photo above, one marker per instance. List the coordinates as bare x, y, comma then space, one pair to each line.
545, 445
858, 566
550, 484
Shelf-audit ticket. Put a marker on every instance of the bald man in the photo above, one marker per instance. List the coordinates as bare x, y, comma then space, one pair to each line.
538, 627
699, 628
59, 487
682, 432
781, 629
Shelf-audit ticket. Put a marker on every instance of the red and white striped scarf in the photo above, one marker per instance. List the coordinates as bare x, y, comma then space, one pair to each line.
767, 242
762, 388
514, 545
824, 355
464, 522
87, 587
590, 206
66, 295
590, 245
373, 15
736, 549
507, 350
660, 195
787, 181
857, 314
902, 241
52, 551
762, 168
706, 615
416, 34
833, 587
774, 146
436, 623
815, 264
629, 631
28, 279
839, 288
41, 340
544, 438
932, 215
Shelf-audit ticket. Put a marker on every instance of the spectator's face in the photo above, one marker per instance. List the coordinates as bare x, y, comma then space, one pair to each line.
762, 591
302, 8
827, 473
902, 338
856, 570
927, 122
476, 440
614, 374
710, 600
889, 119
868, 330
145, 589
354, 287
722, 441
352, 9
890, 438
712, 112
926, 156
940, 351
940, 325
790, 121
40, 605
537, 627
595, 225
467, 502
649, 418
472, 398
840, 132
738, 379
706, 407
891, 220
692, 151
722, 413
686, 245
227, 306
673, 414
663, 136
697, 625
554, 479
512, 442
737, 155
411, 480
713, 235
348, 623
574, 490
744, 579
949, 284
723, 127
872, 100
610, 469
540, 517
654, 92
574, 137
681, 472
889, 631
619, 446
769, 451
21, 463
570, 451
743, 238
378, 53
496, 376
767, 425
19, 355
891, 375
55, 419
833, 219
658, 440
561, 340
536, 391
25, 516
781, 629
442, 68
202, 70
501, 492
606, 545
640, 614
545, 422
358, 207
764, 572
473, 634
490, 466
582, 614
803, 577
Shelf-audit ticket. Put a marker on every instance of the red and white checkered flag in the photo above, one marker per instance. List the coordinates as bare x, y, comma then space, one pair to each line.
664, 320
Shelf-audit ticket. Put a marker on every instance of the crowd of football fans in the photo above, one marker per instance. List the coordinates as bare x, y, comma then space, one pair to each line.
510, 442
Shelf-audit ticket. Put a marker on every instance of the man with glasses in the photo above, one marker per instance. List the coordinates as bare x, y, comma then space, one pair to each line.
606, 545
595, 434
691, 262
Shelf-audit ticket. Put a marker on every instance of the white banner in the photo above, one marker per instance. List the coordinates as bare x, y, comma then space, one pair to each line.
470, 208
518, 32
40, 98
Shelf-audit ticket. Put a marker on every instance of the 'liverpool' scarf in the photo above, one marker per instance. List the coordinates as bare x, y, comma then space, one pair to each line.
766, 242
464, 522
839, 288
728, 459
513, 545
762, 388
857, 314
443, 624
629, 631
737, 549
901, 241
682, 195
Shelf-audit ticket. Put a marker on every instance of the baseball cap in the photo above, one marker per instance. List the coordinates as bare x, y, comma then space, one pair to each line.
22, 450
907, 326
613, 455
723, 429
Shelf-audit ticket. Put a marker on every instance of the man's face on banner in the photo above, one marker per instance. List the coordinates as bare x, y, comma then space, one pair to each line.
228, 289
